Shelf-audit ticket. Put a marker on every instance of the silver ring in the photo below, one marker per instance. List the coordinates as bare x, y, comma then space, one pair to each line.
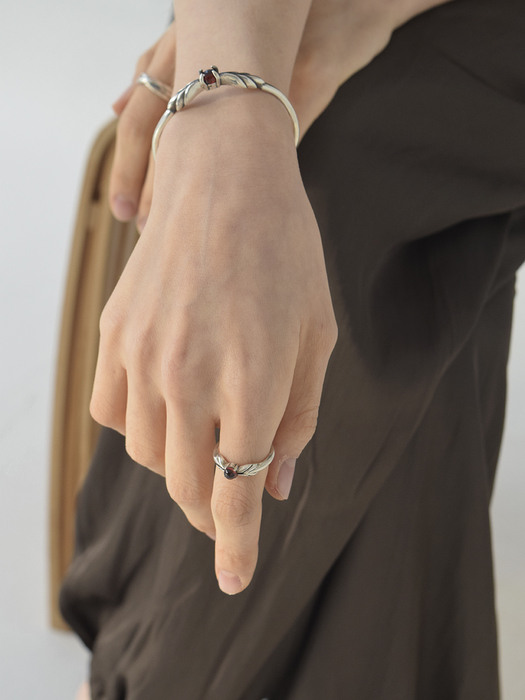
232, 470
155, 86
210, 79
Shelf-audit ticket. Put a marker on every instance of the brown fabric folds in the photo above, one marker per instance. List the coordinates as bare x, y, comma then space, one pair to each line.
375, 577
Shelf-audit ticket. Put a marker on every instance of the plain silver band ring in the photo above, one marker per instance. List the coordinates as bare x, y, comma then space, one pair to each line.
155, 86
232, 470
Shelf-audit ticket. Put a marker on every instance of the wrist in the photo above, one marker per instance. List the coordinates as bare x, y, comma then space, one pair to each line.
236, 112
219, 146
255, 37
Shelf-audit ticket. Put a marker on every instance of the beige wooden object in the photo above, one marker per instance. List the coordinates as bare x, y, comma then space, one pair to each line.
100, 248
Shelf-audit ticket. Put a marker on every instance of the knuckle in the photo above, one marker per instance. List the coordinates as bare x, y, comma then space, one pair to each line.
246, 387
245, 405
104, 413
242, 561
326, 332
144, 453
200, 526
332, 333
322, 335
188, 495
304, 423
233, 509
174, 367
141, 349
96, 409
110, 323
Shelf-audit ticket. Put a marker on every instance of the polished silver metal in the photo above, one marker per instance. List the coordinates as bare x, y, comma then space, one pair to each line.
244, 80
241, 469
155, 86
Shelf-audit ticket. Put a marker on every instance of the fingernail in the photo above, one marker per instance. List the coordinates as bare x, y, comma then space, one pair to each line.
229, 583
285, 478
123, 207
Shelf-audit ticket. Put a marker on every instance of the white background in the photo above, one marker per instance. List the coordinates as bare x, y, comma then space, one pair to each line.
62, 64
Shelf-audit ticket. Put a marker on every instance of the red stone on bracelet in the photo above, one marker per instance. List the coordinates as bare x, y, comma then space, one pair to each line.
208, 77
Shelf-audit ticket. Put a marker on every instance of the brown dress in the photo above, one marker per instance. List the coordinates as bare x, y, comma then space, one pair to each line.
374, 579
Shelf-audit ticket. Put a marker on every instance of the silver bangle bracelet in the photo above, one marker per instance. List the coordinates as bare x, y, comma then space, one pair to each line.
210, 79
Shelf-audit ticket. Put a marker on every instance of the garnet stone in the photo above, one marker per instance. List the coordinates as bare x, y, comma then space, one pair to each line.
230, 473
208, 77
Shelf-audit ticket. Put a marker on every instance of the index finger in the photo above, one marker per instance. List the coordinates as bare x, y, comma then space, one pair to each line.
237, 509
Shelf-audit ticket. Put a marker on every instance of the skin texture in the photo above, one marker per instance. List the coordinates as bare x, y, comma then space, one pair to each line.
220, 319
219, 322
340, 37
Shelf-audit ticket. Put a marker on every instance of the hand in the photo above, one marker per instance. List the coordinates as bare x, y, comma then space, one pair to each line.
222, 317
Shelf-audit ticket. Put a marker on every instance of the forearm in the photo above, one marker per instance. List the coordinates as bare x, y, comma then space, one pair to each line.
254, 36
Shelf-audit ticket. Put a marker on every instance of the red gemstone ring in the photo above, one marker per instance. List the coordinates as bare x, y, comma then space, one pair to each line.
232, 470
